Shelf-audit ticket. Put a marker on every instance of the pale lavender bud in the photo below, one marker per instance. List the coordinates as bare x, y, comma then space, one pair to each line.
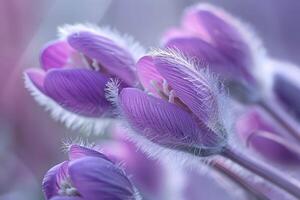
258, 132
211, 35
182, 112
87, 175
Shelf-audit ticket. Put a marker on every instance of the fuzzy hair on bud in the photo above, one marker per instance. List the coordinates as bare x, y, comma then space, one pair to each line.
125, 41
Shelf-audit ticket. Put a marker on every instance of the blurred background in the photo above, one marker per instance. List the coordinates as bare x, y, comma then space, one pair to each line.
30, 141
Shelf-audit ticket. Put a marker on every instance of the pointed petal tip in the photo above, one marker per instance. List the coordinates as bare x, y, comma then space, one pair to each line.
77, 151
34, 77
55, 54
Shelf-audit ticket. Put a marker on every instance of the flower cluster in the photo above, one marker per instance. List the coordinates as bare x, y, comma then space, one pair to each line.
173, 103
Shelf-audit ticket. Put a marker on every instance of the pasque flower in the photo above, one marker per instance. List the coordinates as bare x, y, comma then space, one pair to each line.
75, 71
87, 175
259, 133
183, 113
180, 109
213, 36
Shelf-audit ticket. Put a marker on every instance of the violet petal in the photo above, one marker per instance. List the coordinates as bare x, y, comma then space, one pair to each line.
269, 144
77, 151
50, 186
78, 90
192, 88
259, 132
147, 72
55, 54
162, 122
37, 77
96, 179
225, 37
116, 60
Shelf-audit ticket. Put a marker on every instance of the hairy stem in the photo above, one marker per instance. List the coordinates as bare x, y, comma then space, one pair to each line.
285, 182
239, 180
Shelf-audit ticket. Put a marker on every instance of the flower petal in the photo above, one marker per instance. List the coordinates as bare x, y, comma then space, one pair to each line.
77, 151
116, 60
253, 121
273, 147
78, 90
175, 32
216, 28
36, 77
162, 122
203, 52
50, 185
55, 54
96, 179
147, 73
190, 86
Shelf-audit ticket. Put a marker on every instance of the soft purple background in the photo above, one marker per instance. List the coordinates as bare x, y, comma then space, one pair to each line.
29, 140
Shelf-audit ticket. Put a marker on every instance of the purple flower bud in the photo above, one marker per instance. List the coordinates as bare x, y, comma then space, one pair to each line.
88, 175
260, 134
75, 72
211, 35
183, 111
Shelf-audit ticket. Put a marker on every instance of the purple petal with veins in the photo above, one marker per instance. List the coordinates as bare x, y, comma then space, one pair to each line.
113, 58
56, 54
62, 173
50, 185
78, 90
77, 151
162, 122
190, 86
99, 179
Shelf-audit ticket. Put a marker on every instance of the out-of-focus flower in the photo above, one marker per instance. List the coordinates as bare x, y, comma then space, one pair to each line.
75, 71
260, 134
286, 86
229, 49
87, 175
146, 173
181, 112
213, 36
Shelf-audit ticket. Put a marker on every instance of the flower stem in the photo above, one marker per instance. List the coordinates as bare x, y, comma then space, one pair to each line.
282, 118
289, 184
239, 180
